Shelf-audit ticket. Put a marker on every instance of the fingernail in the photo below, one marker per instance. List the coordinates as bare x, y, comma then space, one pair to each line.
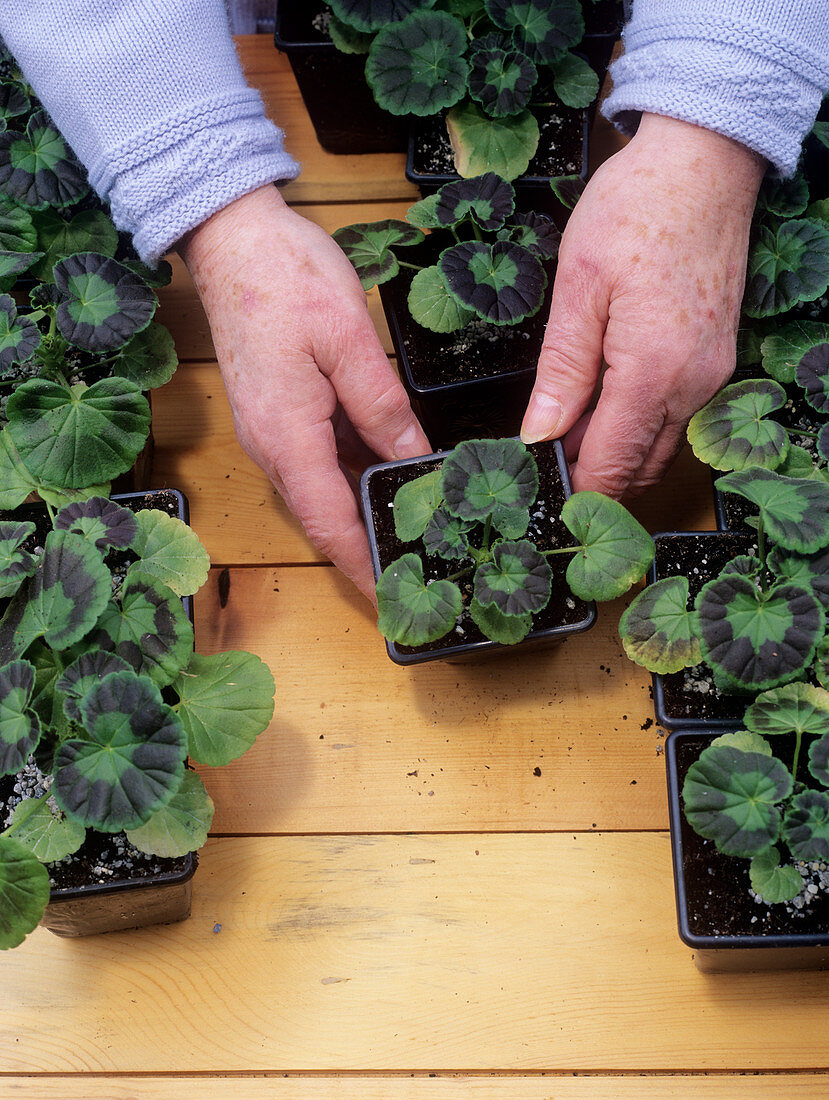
541, 418
403, 446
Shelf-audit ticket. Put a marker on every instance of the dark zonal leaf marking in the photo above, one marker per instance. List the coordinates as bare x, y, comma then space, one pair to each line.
37, 169
658, 631
179, 827
502, 282
782, 350
15, 563
482, 474
541, 29
18, 336
812, 373
13, 264
793, 708
418, 66
770, 881
414, 504
24, 892
534, 231
506, 629
732, 432
411, 611
83, 674
101, 520
786, 198
568, 189
57, 237
432, 304
819, 759
19, 725
132, 762
808, 571
488, 199
517, 581
13, 100
615, 549
823, 443
368, 247
786, 266
371, 15
730, 798
501, 80
758, 639
795, 511
446, 536
102, 302
806, 825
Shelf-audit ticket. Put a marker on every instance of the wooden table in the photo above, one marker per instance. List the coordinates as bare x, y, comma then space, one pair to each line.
444, 881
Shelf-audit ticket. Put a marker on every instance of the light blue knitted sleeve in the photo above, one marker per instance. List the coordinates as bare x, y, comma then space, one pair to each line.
754, 70
151, 96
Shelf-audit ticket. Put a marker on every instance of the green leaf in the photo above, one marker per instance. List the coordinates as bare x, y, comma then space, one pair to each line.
57, 237
47, 833
433, 306
785, 198
368, 247
15, 480
15, 563
132, 762
417, 66
615, 549
423, 213
481, 474
806, 825
512, 523
487, 199
446, 536
51, 426
771, 882
783, 349
371, 15
758, 639
657, 629
411, 611
226, 702
819, 757
744, 740
13, 264
100, 520
568, 189
541, 29
14, 100
574, 81
518, 579
484, 144
170, 552
24, 892
730, 797
731, 431
501, 79
808, 571
786, 266
179, 827
494, 624
37, 169
502, 282
19, 337
17, 230
19, 725
149, 359
414, 504
793, 708
812, 374
347, 39
82, 675
795, 511
102, 302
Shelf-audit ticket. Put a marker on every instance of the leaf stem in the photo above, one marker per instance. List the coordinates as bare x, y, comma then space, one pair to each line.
798, 739
461, 573
413, 267
562, 550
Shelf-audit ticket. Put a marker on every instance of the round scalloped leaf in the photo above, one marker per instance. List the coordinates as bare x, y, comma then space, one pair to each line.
102, 302
812, 374
501, 80
482, 474
758, 639
506, 629
149, 359
19, 337
772, 883
423, 213
806, 825
47, 833
410, 610
15, 563
19, 725
795, 511
744, 740
574, 81
615, 549
744, 564
821, 665
568, 189
15, 480
819, 759
51, 426
226, 702
414, 504
798, 463
786, 266
170, 552
57, 237
37, 168
368, 247
730, 798
132, 762
793, 708
808, 571
518, 579
446, 536
541, 29
484, 144
371, 15
823, 443
13, 264
783, 349
418, 66
512, 523
534, 231
785, 198
101, 520
14, 100
433, 306
149, 630
17, 230
487, 198
657, 629
24, 892
502, 282
83, 674
179, 827
348, 39
731, 431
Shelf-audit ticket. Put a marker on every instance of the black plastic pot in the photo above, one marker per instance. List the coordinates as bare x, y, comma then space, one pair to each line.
340, 103
564, 615
680, 699
603, 21
712, 894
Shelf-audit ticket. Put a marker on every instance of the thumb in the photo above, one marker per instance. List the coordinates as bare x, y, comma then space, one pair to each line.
571, 356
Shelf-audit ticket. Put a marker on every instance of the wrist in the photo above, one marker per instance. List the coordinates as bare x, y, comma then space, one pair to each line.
226, 224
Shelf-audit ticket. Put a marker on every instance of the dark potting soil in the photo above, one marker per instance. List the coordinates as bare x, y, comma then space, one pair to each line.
718, 891
691, 693
546, 530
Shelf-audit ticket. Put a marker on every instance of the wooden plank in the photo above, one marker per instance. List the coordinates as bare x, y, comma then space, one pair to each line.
797, 1086
434, 953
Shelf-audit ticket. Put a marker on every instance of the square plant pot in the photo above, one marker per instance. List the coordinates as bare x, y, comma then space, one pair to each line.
340, 103
719, 919
564, 615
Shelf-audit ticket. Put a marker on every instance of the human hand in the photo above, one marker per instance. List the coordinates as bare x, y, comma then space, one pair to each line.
650, 278
302, 365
